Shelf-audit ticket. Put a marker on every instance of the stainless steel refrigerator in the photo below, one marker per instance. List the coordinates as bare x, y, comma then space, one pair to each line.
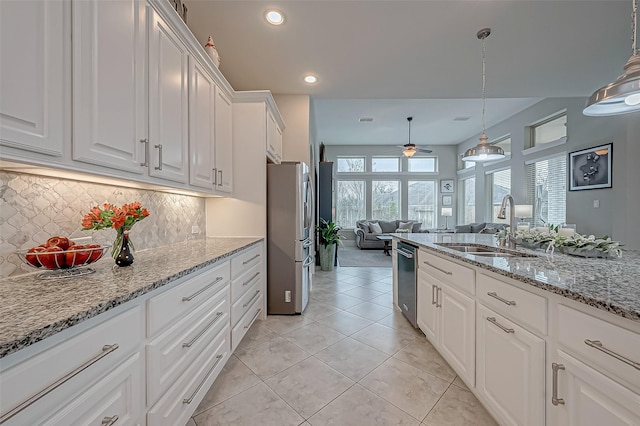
289, 237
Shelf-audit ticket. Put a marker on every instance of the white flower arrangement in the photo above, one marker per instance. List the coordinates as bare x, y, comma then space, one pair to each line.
576, 243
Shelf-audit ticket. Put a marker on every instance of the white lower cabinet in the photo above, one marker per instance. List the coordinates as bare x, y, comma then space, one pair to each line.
510, 369
582, 396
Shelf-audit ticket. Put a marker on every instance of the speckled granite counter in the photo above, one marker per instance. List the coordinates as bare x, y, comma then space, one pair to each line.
33, 309
612, 285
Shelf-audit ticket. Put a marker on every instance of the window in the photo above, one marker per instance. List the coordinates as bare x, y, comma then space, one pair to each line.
500, 186
547, 190
350, 202
385, 199
551, 130
505, 144
379, 164
421, 196
422, 164
469, 164
351, 165
468, 200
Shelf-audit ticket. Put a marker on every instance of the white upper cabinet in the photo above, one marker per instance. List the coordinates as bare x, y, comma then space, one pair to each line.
202, 92
34, 104
223, 143
109, 108
168, 102
274, 138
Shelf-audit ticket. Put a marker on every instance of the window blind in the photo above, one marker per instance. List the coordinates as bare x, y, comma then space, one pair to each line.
547, 190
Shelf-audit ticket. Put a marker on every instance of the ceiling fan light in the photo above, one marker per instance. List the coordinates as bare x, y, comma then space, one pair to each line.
620, 97
409, 151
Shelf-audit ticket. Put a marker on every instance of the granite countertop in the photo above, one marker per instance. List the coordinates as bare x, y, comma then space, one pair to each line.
32, 309
612, 285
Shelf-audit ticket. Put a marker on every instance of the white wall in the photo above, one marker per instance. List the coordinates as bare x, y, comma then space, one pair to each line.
295, 139
617, 204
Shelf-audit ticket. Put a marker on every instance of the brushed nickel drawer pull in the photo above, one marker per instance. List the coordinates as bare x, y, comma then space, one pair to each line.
249, 260
505, 301
195, 392
438, 293
405, 253
434, 290
597, 344
493, 321
202, 290
250, 279
106, 350
252, 299
108, 421
439, 269
252, 319
159, 167
220, 176
204, 330
215, 176
146, 152
554, 396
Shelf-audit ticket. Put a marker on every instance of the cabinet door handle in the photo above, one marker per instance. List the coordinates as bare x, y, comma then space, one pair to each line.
159, 166
146, 152
195, 392
249, 260
220, 176
554, 397
434, 301
215, 176
493, 321
250, 279
597, 344
252, 299
202, 290
438, 293
204, 330
439, 269
254, 317
108, 421
106, 350
505, 301
405, 253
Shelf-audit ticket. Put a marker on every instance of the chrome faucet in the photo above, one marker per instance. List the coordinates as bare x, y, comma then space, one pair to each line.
511, 236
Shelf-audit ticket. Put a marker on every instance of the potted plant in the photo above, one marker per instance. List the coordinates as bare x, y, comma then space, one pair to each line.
328, 237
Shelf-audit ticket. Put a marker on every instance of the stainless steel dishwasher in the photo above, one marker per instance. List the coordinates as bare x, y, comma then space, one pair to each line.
407, 261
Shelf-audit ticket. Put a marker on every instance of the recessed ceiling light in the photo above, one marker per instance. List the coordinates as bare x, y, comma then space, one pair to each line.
311, 79
464, 118
366, 119
274, 17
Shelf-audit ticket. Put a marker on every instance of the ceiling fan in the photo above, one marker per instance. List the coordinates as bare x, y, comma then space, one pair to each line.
409, 149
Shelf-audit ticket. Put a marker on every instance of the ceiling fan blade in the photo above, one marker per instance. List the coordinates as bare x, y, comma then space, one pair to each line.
425, 150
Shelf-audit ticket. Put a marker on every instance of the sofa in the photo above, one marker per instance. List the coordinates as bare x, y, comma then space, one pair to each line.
366, 238
482, 227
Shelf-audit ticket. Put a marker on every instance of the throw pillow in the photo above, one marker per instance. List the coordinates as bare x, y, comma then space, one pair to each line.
387, 226
364, 225
405, 225
375, 228
403, 230
416, 226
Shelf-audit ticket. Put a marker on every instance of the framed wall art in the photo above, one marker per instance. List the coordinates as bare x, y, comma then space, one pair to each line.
446, 186
447, 200
591, 168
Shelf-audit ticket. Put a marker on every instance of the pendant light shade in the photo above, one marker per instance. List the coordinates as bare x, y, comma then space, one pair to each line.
484, 151
623, 95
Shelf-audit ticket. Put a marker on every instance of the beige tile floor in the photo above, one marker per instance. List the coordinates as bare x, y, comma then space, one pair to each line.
350, 359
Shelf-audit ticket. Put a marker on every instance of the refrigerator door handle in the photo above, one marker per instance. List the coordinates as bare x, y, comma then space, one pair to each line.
307, 243
308, 204
308, 262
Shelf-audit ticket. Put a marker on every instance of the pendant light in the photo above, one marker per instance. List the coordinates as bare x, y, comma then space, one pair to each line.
623, 95
484, 151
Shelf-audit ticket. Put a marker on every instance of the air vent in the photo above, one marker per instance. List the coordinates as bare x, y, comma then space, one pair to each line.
366, 119
461, 118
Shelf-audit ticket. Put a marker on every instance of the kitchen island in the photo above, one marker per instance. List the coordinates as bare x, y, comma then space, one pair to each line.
539, 338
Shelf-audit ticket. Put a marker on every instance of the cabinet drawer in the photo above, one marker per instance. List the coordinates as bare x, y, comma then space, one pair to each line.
527, 309
168, 307
609, 348
246, 259
116, 398
241, 328
174, 350
244, 282
182, 399
74, 364
242, 305
459, 276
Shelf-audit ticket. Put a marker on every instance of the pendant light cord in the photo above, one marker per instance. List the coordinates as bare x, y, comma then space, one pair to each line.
484, 81
634, 24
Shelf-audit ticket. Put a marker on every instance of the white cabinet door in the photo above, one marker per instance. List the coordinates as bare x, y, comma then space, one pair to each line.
510, 369
168, 102
202, 92
428, 312
457, 331
34, 111
274, 138
223, 143
109, 111
591, 398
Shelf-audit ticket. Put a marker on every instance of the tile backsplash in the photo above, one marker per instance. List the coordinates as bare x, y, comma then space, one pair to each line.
34, 208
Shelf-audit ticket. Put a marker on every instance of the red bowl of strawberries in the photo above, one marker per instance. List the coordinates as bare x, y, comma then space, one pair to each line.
60, 253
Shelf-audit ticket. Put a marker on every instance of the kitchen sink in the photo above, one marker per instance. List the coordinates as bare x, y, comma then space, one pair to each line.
485, 251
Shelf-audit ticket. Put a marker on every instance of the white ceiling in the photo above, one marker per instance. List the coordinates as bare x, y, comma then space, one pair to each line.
393, 59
